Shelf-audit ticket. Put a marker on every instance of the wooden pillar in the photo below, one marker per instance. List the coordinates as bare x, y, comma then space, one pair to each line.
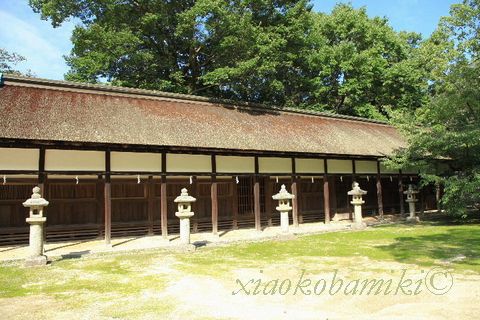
256, 197
438, 196
194, 193
379, 192
422, 201
150, 190
268, 201
100, 205
326, 198
295, 202
164, 207
235, 205
256, 203
42, 184
400, 193
326, 192
107, 197
214, 197
333, 196
163, 198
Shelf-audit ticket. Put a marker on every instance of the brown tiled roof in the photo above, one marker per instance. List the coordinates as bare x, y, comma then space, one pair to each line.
37, 109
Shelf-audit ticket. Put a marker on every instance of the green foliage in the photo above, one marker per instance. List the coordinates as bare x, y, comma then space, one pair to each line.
8, 60
448, 126
272, 52
361, 66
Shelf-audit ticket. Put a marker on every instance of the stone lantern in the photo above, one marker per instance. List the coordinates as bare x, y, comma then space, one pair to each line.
284, 207
36, 220
411, 199
357, 202
184, 212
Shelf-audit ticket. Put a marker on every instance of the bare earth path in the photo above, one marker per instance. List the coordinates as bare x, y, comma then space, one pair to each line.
205, 285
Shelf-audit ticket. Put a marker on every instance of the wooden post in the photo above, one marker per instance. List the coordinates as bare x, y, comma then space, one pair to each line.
107, 197
438, 196
256, 197
379, 192
194, 193
256, 204
326, 198
214, 196
333, 196
163, 198
400, 192
295, 203
150, 188
164, 207
100, 205
268, 201
235, 205
42, 184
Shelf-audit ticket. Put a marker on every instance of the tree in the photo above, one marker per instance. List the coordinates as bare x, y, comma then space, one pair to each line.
448, 126
360, 66
242, 49
8, 60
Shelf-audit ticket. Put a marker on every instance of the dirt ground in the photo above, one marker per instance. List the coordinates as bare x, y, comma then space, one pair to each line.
192, 296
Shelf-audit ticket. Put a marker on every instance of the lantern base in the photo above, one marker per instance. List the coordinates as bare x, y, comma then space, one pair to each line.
414, 219
36, 261
358, 226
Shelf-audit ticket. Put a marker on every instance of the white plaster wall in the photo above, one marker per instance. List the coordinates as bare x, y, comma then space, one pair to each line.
339, 166
136, 161
365, 166
74, 160
309, 166
233, 164
19, 159
188, 163
275, 165
384, 169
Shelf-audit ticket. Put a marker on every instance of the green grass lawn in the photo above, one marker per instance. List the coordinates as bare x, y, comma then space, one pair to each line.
103, 278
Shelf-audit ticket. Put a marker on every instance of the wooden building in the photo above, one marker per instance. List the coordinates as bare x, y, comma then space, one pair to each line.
111, 160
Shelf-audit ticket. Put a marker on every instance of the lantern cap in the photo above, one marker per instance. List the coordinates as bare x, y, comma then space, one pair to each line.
356, 191
184, 197
283, 194
36, 199
410, 190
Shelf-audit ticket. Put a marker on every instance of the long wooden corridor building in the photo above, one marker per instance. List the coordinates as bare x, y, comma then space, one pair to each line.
111, 160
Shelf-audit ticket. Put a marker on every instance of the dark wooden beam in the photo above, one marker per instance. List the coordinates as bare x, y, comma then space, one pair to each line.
41, 167
235, 204
268, 200
400, 192
295, 202
379, 192
100, 197
164, 207
214, 198
214, 195
256, 203
107, 200
256, 197
150, 191
194, 193
326, 193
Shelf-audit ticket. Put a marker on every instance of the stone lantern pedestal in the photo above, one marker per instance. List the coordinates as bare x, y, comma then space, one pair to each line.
283, 207
411, 200
357, 202
184, 213
36, 220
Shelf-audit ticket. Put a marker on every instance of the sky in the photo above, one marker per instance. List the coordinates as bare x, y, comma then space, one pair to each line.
22, 31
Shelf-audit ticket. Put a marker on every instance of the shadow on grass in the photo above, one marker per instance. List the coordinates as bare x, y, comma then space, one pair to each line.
459, 246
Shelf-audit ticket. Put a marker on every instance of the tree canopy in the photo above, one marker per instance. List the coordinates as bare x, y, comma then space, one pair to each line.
447, 128
268, 51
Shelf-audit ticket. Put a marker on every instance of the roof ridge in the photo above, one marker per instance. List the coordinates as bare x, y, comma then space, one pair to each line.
155, 93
